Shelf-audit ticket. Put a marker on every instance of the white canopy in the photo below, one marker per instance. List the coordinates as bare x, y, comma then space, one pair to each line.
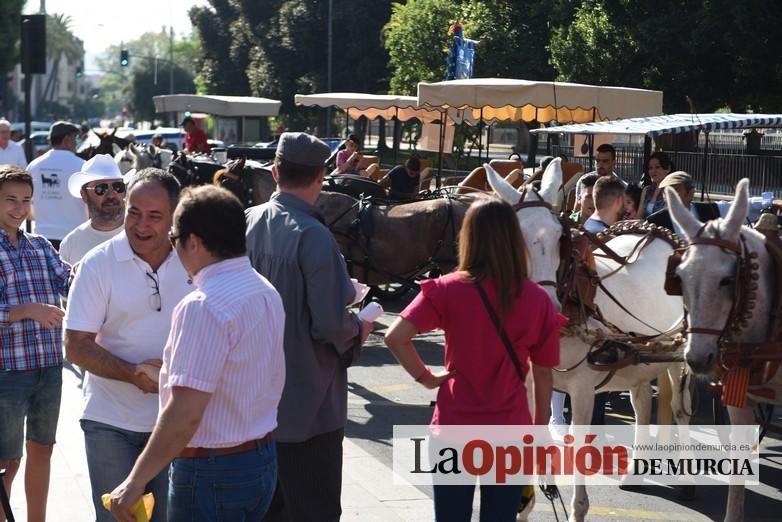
523, 100
217, 105
372, 106
671, 123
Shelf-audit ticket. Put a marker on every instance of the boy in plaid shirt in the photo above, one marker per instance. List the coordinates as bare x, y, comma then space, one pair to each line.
32, 280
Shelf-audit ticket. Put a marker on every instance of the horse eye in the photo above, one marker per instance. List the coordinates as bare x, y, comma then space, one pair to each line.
726, 281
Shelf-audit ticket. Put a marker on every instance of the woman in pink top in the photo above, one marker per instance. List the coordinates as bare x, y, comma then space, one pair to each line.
349, 159
481, 384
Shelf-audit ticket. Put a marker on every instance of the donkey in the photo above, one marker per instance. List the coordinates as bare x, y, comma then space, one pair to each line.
639, 286
709, 281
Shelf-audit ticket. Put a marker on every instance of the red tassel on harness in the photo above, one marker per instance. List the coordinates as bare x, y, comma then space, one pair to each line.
735, 386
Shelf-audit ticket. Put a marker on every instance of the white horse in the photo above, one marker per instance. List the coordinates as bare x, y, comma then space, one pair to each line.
707, 273
638, 286
142, 156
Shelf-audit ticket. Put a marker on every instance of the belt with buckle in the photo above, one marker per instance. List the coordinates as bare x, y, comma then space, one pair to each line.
189, 453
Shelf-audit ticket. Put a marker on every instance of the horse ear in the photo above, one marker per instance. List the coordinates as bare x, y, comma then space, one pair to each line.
551, 182
737, 214
503, 189
688, 224
237, 167
116, 148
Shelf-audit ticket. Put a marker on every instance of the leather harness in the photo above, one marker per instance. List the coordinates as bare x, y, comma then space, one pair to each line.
744, 364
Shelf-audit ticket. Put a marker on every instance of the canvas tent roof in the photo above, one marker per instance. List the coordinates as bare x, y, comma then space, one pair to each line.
372, 106
228, 106
671, 123
523, 100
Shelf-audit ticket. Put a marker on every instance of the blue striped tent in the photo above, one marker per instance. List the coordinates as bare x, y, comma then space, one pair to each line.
653, 126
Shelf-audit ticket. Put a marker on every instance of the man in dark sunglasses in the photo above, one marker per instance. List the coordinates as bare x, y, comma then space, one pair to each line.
100, 185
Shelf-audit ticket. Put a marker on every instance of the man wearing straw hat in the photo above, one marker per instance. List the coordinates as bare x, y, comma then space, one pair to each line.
100, 185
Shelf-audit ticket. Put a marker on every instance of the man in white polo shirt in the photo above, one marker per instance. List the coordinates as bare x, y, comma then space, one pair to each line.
100, 185
222, 377
116, 325
11, 153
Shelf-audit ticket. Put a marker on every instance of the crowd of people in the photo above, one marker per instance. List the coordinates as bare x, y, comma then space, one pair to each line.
215, 341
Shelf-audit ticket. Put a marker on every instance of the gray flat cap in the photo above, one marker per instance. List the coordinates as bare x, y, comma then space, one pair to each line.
60, 129
303, 149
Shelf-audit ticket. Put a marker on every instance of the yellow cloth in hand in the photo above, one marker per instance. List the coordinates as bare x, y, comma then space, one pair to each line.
142, 509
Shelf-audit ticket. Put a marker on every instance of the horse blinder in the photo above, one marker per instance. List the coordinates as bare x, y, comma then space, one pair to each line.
673, 284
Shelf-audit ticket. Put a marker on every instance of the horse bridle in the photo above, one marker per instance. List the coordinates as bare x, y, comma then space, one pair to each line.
745, 286
523, 204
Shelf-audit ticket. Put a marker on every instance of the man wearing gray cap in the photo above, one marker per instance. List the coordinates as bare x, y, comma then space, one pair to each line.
56, 212
289, 245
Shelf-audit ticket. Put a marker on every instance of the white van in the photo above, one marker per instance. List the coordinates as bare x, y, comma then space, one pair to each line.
174, 138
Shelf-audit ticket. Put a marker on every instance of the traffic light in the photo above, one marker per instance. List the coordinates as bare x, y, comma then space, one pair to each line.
124, 58
79, 71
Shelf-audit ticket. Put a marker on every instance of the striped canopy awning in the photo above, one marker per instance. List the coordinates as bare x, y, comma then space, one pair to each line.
653, 126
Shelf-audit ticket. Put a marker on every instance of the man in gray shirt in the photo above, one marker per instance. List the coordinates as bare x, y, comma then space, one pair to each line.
289, 245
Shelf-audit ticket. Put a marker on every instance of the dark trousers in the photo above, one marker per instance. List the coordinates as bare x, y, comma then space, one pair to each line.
498, 503
309, 480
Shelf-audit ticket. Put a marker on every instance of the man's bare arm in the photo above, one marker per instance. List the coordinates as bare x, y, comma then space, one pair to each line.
81, 349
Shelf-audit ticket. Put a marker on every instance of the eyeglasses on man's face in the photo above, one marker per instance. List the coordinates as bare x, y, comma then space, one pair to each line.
173, 238
154, 284
102, 188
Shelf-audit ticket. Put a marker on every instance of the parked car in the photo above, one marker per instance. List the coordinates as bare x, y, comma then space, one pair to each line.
40, 141
174, 138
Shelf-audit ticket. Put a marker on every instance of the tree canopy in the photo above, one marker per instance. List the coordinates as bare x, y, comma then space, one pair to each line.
277, 48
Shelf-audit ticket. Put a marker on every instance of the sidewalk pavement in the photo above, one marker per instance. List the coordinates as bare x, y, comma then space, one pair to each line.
368, 492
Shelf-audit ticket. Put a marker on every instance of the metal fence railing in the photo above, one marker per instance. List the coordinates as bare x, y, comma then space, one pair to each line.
722, 169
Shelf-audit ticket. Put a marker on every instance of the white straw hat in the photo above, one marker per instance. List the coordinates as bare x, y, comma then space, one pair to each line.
102, 166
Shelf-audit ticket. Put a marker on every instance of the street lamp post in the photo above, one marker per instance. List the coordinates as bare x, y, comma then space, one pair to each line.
171, 70
328, 74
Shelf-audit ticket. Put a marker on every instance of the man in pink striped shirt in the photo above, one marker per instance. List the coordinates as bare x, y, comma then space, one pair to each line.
222, 376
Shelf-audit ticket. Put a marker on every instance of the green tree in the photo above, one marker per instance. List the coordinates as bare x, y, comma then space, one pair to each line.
716, 53
60, 43
513, 39
225, 43
143, 87
291, 55
411, 24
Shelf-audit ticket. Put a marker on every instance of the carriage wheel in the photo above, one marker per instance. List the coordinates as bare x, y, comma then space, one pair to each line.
389, 291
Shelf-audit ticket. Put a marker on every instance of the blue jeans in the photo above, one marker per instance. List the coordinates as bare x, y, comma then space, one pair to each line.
33, 395
498, 503
230, 488
111, 453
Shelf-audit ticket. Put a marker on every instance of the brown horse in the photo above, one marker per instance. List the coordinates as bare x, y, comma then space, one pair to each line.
394, 243
251, 182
